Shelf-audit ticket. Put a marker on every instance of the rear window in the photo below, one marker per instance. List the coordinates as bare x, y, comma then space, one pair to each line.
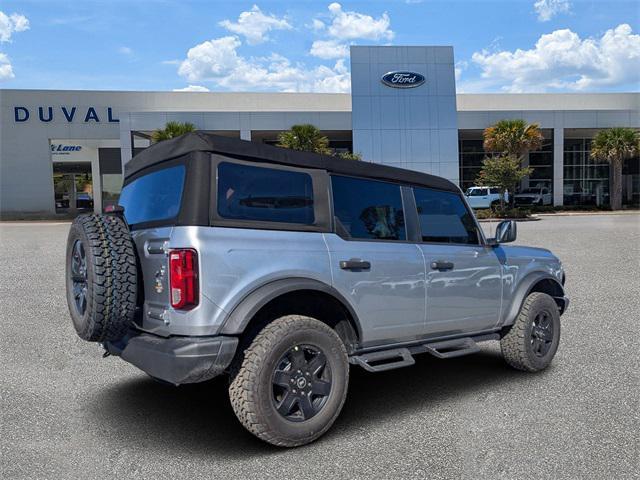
153, 197
246, 192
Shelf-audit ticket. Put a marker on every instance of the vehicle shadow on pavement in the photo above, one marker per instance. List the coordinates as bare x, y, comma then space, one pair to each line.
198, 419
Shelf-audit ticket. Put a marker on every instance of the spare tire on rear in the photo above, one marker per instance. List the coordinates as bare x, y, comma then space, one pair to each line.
101, 277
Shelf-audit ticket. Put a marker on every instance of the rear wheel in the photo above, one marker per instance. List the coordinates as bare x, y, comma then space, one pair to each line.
292, 383
533, 339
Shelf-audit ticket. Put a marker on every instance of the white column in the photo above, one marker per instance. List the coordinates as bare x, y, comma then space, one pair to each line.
558, 166
97, 183
245, 135
126, 148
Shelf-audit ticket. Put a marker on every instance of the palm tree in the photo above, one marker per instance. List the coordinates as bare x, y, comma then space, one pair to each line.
172, 130
615, 145
514, 138
306, 138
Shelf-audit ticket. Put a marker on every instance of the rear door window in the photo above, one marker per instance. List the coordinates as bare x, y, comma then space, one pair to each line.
154, 197
444, 218
368, 209
246, 192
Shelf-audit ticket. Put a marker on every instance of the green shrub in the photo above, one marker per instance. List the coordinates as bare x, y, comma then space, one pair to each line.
502, 213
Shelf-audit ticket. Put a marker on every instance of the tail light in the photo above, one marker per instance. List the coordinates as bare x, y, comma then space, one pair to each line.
183, 278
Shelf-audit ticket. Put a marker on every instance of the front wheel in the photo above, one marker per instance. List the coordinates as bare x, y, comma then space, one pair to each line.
533, 339
292, 383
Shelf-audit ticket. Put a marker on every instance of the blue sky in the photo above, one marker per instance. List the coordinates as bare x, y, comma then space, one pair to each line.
500, 46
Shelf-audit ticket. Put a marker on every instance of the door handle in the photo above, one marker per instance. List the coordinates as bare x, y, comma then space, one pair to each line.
441, 265
354, 265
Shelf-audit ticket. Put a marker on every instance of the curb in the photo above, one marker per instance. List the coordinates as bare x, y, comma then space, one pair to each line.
570, 214
528, 219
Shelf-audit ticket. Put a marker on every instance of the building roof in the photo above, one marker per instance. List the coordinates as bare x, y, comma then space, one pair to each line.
258, 152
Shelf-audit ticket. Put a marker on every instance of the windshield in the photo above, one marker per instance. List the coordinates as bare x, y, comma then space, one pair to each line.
531, 190
153, 197
476, 192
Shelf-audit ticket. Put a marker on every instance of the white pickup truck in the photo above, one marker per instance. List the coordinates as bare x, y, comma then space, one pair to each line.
484, 197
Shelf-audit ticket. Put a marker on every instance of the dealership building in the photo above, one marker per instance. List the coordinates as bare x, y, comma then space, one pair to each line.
63, 151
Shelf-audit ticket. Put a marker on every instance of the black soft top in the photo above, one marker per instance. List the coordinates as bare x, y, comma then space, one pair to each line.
259, 152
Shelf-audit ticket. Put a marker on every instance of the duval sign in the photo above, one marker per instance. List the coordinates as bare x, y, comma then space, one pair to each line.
401, 79
69, 114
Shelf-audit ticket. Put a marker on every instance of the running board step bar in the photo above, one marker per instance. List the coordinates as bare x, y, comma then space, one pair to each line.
381, 360
452, 348
384, 360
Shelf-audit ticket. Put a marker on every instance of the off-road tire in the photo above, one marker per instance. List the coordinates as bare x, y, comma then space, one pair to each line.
111, 277
251, 387
516, 345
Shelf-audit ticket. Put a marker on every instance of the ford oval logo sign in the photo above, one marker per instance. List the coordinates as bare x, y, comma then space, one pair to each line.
403, 79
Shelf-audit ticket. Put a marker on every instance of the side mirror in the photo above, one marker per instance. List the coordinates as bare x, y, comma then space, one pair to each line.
506, 232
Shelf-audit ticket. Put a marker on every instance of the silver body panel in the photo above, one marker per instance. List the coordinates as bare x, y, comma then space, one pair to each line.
389, 298
400, 298
466, 298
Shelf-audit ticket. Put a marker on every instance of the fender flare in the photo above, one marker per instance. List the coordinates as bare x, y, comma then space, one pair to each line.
245, 310
524, 289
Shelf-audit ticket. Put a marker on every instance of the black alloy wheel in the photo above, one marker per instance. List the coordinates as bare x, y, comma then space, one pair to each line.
79, 276
301, 383
541, 334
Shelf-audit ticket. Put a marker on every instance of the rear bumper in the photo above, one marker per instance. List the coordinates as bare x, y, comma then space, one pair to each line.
176, 360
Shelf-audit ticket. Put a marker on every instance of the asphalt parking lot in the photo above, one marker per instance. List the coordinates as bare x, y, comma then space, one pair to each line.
68, 413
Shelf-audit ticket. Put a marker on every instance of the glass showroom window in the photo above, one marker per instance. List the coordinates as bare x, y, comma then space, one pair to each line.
542, 163
586, 181
472, 154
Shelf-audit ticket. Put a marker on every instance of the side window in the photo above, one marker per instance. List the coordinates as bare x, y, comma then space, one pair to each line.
444, 217
153, 197
495, 191
262, 194
368, 209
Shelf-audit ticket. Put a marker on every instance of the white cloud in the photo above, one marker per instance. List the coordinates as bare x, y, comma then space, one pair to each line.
6, 70
352, 25
192, 88
561, 60
254, 25
10, 24
328, 49
218, 61
345, 26
547, 9
125, 51
211, 59
317, 25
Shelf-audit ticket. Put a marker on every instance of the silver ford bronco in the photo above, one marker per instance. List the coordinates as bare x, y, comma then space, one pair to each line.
281, 269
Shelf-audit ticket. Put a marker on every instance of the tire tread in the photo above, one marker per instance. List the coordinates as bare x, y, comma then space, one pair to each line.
243, 388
